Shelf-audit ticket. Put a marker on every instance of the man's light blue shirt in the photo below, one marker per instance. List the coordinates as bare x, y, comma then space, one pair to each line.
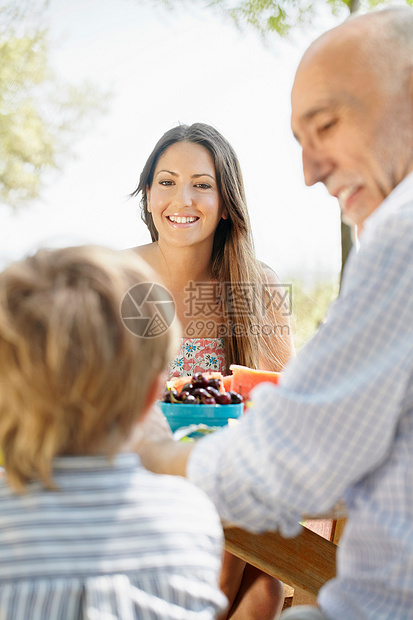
339, 426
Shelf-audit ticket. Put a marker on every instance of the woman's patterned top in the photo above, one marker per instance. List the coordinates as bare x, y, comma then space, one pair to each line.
198, 355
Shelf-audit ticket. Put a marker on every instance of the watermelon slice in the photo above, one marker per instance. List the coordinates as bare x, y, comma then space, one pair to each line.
227, 383
244, 379
177, 383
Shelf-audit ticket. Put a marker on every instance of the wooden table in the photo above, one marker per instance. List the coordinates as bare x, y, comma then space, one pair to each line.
305, 562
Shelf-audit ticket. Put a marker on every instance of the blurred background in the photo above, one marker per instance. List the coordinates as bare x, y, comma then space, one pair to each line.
87, 87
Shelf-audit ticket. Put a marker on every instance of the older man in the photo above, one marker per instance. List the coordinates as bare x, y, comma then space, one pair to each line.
341, 423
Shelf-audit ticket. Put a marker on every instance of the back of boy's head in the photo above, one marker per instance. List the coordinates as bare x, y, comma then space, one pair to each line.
73, 379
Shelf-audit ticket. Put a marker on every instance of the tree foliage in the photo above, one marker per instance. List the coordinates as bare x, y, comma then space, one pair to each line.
40, 117
281, 16
310, 303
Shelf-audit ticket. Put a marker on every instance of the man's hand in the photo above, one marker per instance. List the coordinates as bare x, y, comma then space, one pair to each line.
153, 441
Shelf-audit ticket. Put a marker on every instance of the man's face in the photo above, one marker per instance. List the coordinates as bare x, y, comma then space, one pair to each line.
355, 131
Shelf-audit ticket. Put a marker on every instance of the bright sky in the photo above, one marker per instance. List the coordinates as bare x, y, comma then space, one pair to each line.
166, 67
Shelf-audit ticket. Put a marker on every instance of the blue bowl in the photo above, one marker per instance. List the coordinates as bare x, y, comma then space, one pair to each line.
179, 415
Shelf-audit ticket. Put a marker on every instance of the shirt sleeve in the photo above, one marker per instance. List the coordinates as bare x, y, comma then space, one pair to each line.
333, 418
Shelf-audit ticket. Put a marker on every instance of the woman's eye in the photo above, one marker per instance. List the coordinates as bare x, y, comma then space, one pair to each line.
165, 182
203, 185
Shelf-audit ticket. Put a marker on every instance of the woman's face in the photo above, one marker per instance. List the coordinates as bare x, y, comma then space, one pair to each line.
184, 199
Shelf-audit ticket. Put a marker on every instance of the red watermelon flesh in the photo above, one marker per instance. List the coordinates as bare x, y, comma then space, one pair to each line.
227, 382
244, 379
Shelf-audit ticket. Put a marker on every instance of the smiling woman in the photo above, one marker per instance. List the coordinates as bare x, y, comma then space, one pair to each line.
193, 203
232, 307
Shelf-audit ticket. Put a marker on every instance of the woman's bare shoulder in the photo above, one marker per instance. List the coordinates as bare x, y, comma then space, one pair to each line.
269, 273
144, 251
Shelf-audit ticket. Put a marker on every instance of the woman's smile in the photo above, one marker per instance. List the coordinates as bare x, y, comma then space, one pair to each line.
182, 219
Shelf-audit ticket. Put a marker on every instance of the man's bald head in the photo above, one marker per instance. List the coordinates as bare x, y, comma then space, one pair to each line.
352, 109
383, 40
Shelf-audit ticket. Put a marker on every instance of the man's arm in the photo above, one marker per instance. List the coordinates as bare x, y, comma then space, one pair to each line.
159, 452
333, 419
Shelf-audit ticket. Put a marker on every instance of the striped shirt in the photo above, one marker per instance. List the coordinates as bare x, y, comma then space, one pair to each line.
113, 542
339, 426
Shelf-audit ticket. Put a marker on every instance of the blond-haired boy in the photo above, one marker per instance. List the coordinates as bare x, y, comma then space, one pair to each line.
85, 530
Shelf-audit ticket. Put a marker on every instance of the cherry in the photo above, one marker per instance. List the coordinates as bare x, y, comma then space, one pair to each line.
235, 398
188, 387
213, 392
201, 394
202, 390
224, 399
190, 400
170, 396
184, 395
199, 381
215, 383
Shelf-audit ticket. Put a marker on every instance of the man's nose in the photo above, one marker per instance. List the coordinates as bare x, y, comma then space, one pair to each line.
317, 166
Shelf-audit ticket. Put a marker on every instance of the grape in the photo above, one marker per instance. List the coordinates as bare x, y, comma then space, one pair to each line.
209, 401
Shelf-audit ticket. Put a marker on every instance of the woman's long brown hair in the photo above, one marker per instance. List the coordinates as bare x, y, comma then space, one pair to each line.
234, 264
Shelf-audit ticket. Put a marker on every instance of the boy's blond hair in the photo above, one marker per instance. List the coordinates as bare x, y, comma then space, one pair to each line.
73, 378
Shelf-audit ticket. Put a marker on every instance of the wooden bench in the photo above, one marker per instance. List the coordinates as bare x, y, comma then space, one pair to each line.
305, 562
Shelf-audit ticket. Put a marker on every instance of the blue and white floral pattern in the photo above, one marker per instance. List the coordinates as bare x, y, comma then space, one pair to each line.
199, 355
211, 361
191, 348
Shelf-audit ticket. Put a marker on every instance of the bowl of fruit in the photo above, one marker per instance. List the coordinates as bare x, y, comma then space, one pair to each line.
199, 399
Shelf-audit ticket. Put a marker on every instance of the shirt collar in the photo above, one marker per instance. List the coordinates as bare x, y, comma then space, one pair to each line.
123, 460
402, 193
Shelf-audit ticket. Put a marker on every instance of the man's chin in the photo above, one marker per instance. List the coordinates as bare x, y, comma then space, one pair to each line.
348, 220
